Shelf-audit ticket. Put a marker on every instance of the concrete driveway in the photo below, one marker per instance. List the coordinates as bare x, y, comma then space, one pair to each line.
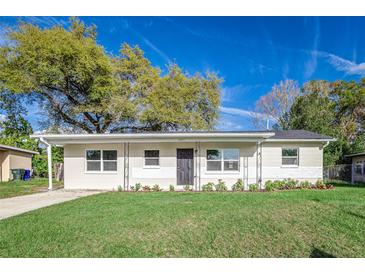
18, 205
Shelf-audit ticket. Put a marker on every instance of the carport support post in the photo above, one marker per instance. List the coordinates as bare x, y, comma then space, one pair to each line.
49, 160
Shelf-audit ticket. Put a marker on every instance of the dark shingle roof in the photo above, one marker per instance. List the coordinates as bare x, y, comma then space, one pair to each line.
298, 134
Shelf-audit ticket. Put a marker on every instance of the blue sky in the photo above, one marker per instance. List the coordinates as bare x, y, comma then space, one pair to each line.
250, 53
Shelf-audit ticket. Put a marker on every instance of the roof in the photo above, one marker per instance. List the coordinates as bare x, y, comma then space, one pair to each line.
355, 155
5, 147
299, 134
189, 136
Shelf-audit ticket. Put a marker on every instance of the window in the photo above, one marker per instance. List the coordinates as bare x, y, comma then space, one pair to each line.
223, 159
109, 160
358, 167
152, 158
101, 160
290, 157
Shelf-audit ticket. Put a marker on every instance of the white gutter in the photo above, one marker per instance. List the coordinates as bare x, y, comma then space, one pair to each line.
154, 135
61, 139
49, 160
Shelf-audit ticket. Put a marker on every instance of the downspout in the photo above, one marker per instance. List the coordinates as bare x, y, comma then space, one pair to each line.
128, 187
259, 164
124, 163
200, 159
326, 144
49, 160
196, 166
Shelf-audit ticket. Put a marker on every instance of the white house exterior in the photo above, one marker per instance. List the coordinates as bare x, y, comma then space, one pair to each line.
107, 161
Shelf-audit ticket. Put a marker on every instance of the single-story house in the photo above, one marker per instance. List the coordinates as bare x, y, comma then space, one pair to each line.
14, 158
358, 167
107, 161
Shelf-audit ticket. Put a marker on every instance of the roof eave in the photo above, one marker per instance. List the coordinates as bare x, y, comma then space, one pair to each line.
300, 140
154, 137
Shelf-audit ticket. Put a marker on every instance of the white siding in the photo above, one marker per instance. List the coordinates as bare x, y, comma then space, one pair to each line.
76, 176
310, 164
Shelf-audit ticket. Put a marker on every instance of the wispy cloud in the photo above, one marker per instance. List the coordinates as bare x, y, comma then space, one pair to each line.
163, 55
242, 112
225, 124
311, 65
345, 65
233, 93
156, 49
339, 63
45, 21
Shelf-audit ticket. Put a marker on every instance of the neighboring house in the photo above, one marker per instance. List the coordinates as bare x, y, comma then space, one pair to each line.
358, 167
14, 158
106, 161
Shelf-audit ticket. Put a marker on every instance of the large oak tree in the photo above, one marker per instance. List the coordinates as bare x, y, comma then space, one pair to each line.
84, 89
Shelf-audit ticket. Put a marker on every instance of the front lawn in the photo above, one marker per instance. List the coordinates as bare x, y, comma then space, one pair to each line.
298, 223
17, 188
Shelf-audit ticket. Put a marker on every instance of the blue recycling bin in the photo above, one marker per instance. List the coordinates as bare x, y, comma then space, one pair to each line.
26, 175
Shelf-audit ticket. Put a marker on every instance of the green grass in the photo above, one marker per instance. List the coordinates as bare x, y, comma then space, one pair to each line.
17, 188
298, 223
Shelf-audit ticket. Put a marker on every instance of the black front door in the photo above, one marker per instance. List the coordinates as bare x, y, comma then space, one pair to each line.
185, 166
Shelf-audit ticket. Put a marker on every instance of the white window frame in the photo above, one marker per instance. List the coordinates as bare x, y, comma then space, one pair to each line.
102, 162
222, 161
144, 159
297, 157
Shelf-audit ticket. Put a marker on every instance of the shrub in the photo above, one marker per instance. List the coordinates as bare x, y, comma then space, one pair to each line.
270, 186
120, 189
291, 183
137, 187
279, 184
146, 188
156, 188
329, 186
208, 187
221, 186
320, 184
171, 188
253, 188
188, 188
305, 185
238, 186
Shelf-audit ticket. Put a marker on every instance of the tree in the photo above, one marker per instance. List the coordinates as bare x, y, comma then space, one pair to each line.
335, 109
15, 131
14, 128
86, 90
275, 105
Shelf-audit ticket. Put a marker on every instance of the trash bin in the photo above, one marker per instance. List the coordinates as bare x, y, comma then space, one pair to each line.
26, 175
17, 174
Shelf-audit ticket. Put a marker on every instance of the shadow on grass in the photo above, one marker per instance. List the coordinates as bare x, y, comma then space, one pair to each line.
318, 253
354, 214
344, 184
